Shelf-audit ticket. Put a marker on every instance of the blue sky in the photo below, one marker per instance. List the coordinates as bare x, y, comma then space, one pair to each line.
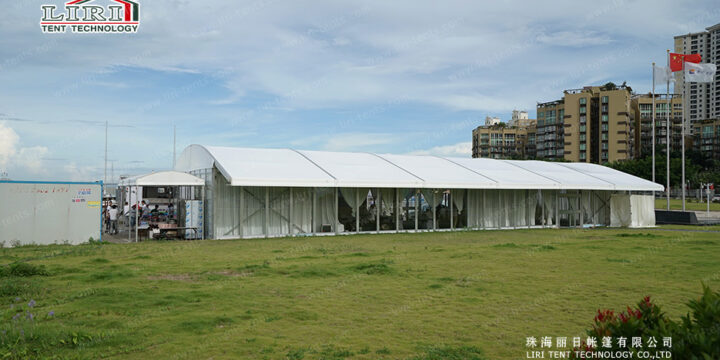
382, 76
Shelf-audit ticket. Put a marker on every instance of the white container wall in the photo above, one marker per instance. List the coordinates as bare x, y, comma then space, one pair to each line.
49, 213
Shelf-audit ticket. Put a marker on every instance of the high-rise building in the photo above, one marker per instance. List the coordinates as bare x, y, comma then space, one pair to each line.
707, 138
642, 113
593, 124
702, 100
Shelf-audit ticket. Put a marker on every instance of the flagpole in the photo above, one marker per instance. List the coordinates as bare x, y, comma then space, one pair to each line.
682, 137
667, 138
653, 122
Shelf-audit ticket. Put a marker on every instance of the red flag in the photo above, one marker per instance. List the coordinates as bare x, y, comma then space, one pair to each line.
676, 60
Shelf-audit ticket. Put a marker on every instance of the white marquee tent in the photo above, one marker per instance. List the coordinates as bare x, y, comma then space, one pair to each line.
158, 178
277, 192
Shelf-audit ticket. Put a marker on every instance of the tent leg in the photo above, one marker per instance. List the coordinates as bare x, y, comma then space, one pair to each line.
357, 210
378, 206
452, 219
580, 207
242, 211
557, 209
396, 207
202, 206
312, 211
290, 213
337, 205
267, 211
434, 210
542, 207
137, 212
417, 202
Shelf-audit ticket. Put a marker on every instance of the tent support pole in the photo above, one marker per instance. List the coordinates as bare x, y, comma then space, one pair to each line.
580, 207
452, 210
312, 212
127, 199
357, 210
137, 212
202, 207
527, 208
242, 211
417, 201
378, 207
482, 211
290, 213
515, 205
542, 208
337, 205
434, 212
396, 207
557, 209
267, 211
499, 203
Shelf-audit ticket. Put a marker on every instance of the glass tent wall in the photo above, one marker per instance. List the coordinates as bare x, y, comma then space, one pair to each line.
252, 211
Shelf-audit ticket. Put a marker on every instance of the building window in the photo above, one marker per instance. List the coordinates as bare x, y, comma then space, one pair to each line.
582, 128
604, 118
582, 155
583, 101
583, 118
583, 110
582, 147
604, 127
604, 99
604, 146
582, 137
605, 136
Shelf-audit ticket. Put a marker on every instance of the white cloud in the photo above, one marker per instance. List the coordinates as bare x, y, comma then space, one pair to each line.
8, 143
574, 38
462, 149
31, 158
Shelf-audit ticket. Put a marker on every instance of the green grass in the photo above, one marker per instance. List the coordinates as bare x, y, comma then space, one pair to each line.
690, 205
462, 295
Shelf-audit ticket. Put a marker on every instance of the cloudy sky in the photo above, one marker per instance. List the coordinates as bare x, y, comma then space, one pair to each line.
383, 76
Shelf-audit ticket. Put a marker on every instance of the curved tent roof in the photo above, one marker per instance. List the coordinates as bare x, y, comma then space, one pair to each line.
287, 167
163, 178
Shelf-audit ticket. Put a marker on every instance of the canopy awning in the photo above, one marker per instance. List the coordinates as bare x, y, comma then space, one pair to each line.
163, 178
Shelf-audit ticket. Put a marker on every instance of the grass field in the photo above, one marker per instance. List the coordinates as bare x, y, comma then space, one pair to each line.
676, 204
417, 296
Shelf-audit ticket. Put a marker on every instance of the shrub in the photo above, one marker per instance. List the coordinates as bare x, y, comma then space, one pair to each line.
696, 336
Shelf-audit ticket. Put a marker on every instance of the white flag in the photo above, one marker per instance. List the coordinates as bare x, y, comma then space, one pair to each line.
701, 73
662, 75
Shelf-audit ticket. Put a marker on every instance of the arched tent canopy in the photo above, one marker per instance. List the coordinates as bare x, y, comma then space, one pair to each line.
163, 178
297, 168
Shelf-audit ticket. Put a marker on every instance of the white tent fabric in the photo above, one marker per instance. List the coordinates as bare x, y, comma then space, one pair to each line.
286, 167
632, 210
163, 178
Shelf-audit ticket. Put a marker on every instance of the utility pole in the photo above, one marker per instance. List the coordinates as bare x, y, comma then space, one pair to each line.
106, 145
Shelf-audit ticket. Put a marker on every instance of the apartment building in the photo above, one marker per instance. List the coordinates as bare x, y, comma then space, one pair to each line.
707, 138
702, 100
642, 110
593, 124
504, 142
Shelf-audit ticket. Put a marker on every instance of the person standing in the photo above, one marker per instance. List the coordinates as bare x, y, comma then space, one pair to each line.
113, 216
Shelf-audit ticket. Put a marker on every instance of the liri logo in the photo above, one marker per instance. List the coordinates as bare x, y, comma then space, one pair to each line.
84, 17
